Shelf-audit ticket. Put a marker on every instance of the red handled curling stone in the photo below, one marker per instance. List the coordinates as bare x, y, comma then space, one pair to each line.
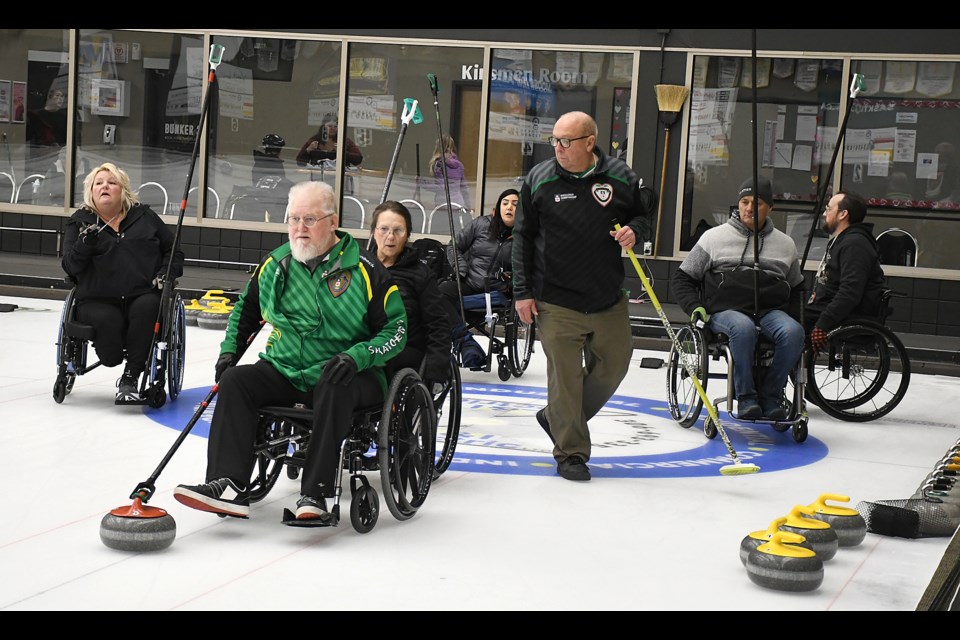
820, 535
138, 528
849, 525
786, 567
757, 538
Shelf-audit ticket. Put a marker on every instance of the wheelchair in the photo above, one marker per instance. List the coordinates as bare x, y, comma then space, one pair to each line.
864, 371
448, 403
492, 314
697, 347
395, 439
166, 359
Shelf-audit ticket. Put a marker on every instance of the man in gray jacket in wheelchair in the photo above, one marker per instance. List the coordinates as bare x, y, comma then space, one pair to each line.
716, 284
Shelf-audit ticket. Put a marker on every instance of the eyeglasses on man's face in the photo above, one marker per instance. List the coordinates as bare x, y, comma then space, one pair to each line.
564, 142
308, 221
396, 232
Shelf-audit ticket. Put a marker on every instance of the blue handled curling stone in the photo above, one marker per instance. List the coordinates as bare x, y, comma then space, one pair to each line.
757, 538
138, 528
784, 565
848, 524
820, 535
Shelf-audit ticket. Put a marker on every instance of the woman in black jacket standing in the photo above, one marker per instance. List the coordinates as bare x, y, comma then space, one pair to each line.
429, 329
115, 249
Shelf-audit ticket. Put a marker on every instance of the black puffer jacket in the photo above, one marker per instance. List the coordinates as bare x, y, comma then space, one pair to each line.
483, 259
118, 265
429, 327
849, 281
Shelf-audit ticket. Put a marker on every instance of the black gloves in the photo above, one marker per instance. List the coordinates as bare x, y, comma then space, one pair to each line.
159, 279
818, 339
339, 369
224, 362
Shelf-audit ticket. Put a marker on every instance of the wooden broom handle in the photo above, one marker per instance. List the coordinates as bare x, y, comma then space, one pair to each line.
663, 179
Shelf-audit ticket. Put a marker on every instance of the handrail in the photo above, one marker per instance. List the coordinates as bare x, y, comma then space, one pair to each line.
13, 185
36, 176
363, 211
453, 205
423, 213
166, 200
215, 195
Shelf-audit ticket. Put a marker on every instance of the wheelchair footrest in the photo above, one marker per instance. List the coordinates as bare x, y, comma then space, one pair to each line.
290, 519
131, 399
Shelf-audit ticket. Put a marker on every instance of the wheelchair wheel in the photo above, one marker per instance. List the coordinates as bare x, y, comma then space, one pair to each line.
861, 375
406, 439
269, 460
520, 338
364, 509
448, 404
682, 396
71, 353
176, 346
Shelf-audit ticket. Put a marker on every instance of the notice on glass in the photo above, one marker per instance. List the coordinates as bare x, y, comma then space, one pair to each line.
905, 146
927, 164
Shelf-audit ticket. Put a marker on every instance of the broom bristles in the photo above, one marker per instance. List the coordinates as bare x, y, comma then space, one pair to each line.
670, 97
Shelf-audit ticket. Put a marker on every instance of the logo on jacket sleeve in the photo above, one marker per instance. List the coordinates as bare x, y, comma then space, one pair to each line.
603, 193
339, 283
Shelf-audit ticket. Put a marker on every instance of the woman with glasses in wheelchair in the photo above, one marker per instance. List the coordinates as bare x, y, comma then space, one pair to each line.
483, 251
116, 251
429, 328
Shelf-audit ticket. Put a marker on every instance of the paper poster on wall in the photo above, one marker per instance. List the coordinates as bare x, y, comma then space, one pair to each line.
905, 146
806, 128
770, 137
19, 109
783, 67
808, 74
802, 157
4, 101
857, 146
879, 165
927, 166
701, 65
763, 73
784, 155
935, 79
872, 71
901, 76
728, 72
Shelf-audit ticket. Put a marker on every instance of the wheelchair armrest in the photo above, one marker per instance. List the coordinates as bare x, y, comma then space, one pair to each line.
79, 330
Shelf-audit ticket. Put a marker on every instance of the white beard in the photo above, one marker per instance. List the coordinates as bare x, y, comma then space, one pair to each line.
303, 251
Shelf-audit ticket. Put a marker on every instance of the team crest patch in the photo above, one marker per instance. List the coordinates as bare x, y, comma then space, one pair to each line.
603, 193
339, 283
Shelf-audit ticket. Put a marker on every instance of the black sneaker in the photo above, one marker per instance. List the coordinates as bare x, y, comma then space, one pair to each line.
127, 389
773, 408
574, 468
748, 409
542, 419
219, 496
310, 508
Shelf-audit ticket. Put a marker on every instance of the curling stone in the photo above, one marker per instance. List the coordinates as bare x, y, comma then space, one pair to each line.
820, 535
138, 528
848, 524
192, 310
757, 538
215, 317
786, 567
214, 297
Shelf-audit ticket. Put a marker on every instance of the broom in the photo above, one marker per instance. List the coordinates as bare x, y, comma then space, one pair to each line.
670, 99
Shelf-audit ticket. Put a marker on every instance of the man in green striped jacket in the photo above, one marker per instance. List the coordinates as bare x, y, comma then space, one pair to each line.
336, 318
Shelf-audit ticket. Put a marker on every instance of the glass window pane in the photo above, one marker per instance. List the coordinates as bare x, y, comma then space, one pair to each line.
382, 79
138, 106
901, 154
34, 102
530, 89
268, 103
798, 101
